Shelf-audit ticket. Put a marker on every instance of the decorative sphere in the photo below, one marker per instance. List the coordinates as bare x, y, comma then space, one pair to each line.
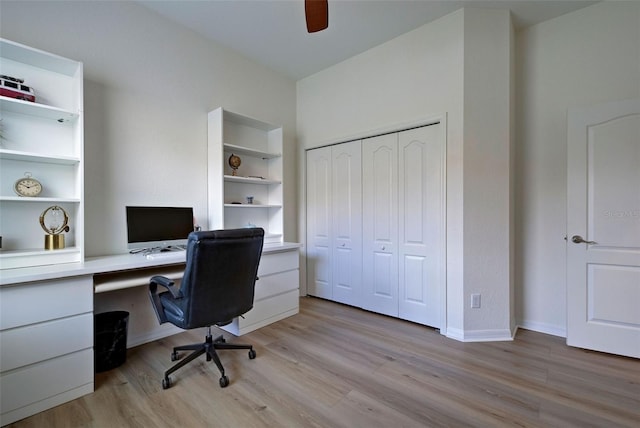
234, 161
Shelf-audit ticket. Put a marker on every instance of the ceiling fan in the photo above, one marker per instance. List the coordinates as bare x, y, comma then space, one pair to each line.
317, 14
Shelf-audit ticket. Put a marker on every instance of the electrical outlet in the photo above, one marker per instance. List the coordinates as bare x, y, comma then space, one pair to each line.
475, 301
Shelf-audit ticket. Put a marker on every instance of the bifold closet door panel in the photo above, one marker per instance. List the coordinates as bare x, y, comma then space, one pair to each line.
380, 224
319, 202
421, 225
346, 226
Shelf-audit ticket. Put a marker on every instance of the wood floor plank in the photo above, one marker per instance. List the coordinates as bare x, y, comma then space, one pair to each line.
483, 400
333, 365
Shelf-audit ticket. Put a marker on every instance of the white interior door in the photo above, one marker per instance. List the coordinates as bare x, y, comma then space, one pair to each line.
603, 228
319, 203
421, 222
346, 224
380, 224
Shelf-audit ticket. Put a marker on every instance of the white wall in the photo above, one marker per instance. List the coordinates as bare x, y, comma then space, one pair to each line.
458, 65
584, 58
487, 172
148, 87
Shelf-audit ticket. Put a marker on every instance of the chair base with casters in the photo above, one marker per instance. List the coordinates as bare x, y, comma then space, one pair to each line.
208, 347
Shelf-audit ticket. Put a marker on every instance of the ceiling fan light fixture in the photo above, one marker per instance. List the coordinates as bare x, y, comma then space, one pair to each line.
317, 15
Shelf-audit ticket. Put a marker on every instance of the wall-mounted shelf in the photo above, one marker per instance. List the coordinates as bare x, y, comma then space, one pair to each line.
40, 200
251, 206
42, 111
249, 180
239, 150
38, 157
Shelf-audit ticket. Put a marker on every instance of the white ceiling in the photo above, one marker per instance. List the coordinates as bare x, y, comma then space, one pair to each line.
273, 32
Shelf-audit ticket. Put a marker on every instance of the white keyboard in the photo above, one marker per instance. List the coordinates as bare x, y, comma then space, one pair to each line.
178, 256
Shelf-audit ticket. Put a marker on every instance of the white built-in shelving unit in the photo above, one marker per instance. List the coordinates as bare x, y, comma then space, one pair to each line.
45, 139
259, 146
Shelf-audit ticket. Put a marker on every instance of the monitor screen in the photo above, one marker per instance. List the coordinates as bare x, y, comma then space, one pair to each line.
149, 227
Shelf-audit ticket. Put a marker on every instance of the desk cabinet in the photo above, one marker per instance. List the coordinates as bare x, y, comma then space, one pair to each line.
276, 295
46, 345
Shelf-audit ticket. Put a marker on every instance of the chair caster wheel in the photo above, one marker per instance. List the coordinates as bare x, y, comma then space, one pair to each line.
166, 383
224, 381
174, 356
252, 354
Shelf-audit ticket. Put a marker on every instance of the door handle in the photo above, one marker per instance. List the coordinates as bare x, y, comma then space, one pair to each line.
577, 239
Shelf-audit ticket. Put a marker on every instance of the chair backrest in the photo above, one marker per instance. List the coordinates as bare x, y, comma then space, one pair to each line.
220, 275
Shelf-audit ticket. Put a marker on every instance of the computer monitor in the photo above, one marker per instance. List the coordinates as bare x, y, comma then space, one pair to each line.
158, 227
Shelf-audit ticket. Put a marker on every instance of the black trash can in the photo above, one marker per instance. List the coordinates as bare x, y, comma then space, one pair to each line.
110, 340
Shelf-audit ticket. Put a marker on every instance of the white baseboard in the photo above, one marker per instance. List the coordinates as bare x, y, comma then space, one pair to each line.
497, 335
553, 330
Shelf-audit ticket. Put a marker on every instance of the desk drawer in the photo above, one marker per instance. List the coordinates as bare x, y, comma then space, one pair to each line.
271, 307
271, 263
38, 342
45, 300
41, 381
265, 312
271, 285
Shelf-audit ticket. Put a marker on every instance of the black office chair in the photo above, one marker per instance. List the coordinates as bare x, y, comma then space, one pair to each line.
217, 286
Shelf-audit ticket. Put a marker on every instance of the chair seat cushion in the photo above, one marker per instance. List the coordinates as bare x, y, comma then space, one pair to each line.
172, 309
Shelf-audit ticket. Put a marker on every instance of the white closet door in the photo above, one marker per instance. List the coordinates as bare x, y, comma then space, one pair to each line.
319, 223
380, 224
347, 222
421, 224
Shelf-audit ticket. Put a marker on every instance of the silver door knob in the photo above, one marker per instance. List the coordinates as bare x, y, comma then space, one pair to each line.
577, 239
383, 248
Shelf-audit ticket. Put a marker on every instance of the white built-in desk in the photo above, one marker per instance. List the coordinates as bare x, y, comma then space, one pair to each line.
46, 319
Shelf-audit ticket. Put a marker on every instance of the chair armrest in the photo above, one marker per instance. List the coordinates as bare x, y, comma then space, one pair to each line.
155, 298
166, 283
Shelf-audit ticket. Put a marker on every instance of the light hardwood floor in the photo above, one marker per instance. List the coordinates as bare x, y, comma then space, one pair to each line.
337, 366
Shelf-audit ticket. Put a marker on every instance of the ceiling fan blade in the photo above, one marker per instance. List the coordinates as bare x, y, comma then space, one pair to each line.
317, 13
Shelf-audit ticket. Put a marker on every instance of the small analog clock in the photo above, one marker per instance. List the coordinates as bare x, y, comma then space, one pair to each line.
28, 186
